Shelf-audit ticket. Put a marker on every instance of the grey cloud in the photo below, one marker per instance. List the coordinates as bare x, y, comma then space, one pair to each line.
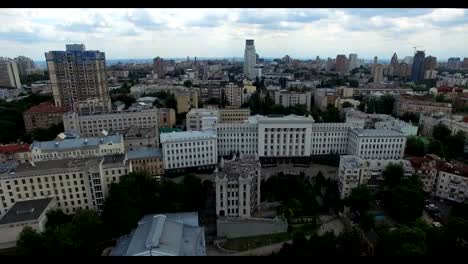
142, 19
95, 23
272, 21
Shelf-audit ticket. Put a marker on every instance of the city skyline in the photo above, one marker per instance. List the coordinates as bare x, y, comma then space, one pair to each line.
300, 33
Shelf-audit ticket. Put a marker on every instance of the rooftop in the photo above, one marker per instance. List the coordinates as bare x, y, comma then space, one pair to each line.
169, 130
453, 167
50, 165
288, 118
46, 107
26, 211
188, 135
377, 132
176, 234
14, 148
142, 153
75, 143
111, 159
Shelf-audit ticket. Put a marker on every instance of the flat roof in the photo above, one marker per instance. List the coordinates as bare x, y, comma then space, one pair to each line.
25, 211
292, 118
141, 153
188, 135
52, 165
380, 132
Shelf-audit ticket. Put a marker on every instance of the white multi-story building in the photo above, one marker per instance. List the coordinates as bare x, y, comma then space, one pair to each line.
398, 125
77, 148
452, 181
92, 125
238, 186
9, 74
354, 171
331, 138
188, 149
238, 137
376, 143
195, 115
233, 94
288, 99
287, 136
74, 183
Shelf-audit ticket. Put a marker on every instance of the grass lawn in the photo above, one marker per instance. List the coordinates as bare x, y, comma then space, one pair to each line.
246, 243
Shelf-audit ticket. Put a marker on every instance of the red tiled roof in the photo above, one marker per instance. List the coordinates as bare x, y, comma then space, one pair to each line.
46, 107
417, 162
14, 148
453, 167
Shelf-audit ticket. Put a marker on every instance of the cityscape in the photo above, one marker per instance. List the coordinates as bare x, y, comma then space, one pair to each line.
236, 139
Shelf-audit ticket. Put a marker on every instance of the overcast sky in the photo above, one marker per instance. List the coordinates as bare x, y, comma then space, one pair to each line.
300, 33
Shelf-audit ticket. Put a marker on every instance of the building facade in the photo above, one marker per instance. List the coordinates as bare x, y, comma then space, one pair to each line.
417, 72
233, 95
148, 160
43, 116
77, 74
355, 171
74, 183
406, 104
190, 149
167, 117
288, 99
238, 187
9, 74
383, 144
17, 152
136, 137
238, 137
195, 117
250, 59
284, 136
452, 181
74, 148
331, 138
234, 115
25, 64
94, 124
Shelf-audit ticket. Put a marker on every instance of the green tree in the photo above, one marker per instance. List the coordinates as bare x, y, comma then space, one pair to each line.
360, 199
440, 98
30, 243
415, 146
405, 201
346, 104
331, 115
435, 147
188, 83
441, 132
56, 218
393, 175
403, 241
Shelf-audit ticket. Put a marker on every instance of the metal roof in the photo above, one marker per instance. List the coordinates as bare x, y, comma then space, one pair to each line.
141, 153
74, 143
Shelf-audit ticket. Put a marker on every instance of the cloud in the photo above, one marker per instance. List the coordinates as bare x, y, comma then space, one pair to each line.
144, 19
21, 36
182, 32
